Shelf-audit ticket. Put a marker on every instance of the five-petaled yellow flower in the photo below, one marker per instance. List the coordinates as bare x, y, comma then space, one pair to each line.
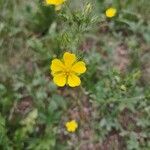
56, 3
111, 12
71, 126
67, 70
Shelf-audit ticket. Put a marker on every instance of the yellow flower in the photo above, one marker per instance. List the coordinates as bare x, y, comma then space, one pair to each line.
56, 3
67, 70
111, 12
71, 126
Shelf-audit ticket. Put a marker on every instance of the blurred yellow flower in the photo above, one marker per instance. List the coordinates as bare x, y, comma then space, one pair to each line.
67, 70
111, 12
71, 126
56, 3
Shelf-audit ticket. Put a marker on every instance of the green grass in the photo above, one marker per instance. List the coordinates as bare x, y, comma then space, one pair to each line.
111, 106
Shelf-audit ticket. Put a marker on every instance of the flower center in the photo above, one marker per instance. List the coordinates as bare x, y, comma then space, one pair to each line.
67, 71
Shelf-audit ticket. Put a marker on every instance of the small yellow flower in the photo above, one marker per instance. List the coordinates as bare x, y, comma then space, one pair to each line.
111, 12
71, 126
67, 70
56, 3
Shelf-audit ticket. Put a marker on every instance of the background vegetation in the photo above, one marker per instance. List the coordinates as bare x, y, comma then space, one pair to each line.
112, 107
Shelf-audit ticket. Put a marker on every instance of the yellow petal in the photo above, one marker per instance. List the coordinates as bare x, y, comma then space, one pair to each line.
69, 58
79, 67
54, 2
60, 79
56, 66
73, 80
